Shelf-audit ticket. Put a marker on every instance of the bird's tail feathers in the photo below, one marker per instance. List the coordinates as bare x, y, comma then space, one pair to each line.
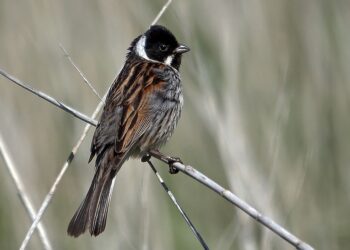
92, 213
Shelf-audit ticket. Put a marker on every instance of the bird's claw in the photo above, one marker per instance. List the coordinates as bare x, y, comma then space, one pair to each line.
146, 158
171, 161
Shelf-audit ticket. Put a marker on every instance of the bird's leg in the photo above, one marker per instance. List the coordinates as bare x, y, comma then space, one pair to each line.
170, 160
146, 158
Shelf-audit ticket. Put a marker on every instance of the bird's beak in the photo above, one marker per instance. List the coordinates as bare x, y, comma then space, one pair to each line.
181, 49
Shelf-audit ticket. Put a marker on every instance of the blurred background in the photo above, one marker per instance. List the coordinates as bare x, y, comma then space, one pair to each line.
266, 114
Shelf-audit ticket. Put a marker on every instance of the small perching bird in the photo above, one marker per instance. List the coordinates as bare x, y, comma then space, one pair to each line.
142, 109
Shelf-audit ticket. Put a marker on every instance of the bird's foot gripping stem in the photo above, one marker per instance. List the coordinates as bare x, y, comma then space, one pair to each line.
170, 160
146, 158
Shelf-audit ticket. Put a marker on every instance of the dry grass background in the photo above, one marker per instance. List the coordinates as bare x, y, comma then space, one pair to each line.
266, 114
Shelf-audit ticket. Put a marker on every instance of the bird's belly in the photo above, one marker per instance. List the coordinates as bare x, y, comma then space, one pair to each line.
163, 126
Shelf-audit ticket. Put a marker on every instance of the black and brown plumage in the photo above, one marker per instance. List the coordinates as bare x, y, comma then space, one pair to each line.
141, 112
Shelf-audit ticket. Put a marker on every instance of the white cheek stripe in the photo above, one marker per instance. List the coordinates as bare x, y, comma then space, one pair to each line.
169, 60
140, 48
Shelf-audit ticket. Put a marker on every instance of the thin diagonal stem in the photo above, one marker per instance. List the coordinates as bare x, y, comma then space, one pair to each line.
229, 196
53, 188
161, 12
48, 98
24, 198
79, 71
182, 212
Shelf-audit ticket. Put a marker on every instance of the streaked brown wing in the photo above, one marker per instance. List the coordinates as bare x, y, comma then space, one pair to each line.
126, 115
137, 117
108, 126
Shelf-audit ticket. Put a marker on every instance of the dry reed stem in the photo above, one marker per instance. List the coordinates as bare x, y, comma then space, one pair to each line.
24, 198
79, 71
48, 98
173, 199
228, 195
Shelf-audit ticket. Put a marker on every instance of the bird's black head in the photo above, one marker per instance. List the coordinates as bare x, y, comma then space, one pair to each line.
160, 45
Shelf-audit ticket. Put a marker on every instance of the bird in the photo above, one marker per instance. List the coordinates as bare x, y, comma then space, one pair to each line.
141, 111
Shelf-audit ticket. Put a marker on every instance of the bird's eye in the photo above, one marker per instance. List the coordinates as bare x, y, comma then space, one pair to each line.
163, 47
